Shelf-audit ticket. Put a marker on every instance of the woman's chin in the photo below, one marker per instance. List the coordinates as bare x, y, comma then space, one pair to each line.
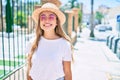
48, 28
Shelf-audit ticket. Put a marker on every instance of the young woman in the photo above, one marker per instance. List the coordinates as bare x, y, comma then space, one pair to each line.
50, 53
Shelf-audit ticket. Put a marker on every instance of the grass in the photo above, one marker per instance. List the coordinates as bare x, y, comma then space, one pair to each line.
21, 57
12, 63
2, 72
8, 63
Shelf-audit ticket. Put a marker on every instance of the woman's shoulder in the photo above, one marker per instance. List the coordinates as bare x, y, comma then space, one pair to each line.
65, 42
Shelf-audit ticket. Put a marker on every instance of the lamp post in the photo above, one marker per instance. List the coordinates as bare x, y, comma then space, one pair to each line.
92, 20
69, 5
74, 3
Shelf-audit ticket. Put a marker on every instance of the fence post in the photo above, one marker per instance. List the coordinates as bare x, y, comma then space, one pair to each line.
75, 10
70, 15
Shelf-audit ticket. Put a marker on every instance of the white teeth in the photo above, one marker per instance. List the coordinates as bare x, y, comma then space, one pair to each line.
47, 24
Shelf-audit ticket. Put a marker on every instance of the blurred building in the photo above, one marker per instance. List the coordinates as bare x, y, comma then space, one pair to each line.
103, 9
111, 17
57, 2
86, 14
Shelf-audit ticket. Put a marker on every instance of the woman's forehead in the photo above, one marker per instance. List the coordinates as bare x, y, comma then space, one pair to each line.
47, 12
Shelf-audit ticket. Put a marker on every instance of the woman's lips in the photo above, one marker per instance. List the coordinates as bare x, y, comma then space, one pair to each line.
47, 25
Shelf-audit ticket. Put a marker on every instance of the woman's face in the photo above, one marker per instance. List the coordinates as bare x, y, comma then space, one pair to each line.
48, 21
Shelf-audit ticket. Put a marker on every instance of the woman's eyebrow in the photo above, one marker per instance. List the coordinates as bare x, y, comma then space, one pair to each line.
42, 14
52, 15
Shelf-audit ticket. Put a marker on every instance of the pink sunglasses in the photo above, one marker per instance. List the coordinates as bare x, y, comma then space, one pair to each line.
51, 17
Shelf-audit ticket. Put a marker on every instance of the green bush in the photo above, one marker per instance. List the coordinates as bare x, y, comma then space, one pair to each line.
20, 19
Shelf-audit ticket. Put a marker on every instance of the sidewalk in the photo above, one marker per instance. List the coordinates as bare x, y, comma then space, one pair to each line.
94, 61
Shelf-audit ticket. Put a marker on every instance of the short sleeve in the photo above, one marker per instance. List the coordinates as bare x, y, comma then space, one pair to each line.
67, 56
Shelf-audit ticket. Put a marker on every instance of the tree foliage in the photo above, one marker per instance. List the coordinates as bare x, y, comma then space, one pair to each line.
79, 16
20, 19
99, 16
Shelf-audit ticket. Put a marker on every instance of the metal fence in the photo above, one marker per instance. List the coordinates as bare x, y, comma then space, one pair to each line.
13, 38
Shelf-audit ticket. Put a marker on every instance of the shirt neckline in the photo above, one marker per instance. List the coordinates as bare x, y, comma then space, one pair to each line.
50, 40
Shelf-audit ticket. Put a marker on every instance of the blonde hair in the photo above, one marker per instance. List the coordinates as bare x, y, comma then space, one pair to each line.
39, 32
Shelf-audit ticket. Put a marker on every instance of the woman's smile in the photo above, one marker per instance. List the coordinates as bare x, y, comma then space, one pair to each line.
47, 25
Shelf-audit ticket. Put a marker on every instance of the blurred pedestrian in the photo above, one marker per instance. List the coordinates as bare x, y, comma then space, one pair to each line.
50, 52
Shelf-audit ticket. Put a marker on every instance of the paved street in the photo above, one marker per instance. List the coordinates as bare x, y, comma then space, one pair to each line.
93, 60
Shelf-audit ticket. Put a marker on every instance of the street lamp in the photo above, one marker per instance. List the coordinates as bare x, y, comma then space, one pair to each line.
76, 4
92, 20
69, 5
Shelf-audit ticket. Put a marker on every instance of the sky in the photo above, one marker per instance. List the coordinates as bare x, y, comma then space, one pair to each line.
87, 3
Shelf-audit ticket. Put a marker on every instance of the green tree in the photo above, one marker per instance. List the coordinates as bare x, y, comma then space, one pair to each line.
99, 16
79, 16
9, 18
80, 19
20, 19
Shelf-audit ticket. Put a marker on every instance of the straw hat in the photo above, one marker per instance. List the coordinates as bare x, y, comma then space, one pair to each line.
48, 7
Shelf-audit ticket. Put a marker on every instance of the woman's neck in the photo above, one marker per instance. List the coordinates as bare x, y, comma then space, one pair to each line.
50, 35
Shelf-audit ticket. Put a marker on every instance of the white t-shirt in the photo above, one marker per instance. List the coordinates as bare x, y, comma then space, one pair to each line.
47, 59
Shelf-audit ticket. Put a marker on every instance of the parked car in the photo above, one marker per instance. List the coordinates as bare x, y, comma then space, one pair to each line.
108, 27
102, 31
102, 27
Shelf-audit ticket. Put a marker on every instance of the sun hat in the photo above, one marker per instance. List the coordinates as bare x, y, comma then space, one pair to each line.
49, 7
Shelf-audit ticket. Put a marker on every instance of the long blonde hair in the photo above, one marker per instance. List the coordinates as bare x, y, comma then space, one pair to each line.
39, 32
